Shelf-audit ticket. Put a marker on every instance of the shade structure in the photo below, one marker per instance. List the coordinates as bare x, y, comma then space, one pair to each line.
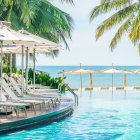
112, 71
41, 40
8, 36
42, 48
14, 42
18, 50
136, 71
82, 71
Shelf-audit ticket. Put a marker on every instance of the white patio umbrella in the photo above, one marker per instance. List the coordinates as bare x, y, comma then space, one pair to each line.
81, 71
38, 48
112, 71
26, 50
43, 41
8, 36
136, 71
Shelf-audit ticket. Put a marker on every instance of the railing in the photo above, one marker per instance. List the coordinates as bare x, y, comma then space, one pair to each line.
69, 89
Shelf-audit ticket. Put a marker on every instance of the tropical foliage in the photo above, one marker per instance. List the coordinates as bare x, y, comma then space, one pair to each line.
42, 78
127, 16
39, 17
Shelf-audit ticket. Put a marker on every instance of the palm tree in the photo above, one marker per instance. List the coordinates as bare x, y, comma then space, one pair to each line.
39, 17
127, 16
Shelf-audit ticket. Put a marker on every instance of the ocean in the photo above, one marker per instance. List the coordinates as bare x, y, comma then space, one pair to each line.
99, 80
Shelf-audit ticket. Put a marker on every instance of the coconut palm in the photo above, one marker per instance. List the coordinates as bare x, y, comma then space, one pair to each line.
39, 17
127, 16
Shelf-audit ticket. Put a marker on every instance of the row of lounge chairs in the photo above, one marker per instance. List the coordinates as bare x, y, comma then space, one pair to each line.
38, 87
11, 98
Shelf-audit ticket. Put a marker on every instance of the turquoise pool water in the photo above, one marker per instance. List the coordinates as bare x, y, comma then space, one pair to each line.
99, 116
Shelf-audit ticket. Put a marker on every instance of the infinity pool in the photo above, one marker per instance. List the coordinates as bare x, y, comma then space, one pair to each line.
99, 116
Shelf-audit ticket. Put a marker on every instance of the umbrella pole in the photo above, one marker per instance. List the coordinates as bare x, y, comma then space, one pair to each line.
1, 71
22, 67
27, 51
34, 68
81, 81
63, 76
90, 81
11, 57
112, 82
125, 82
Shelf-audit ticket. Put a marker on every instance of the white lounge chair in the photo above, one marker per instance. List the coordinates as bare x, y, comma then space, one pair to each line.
13, 97
48, 101
37, 86
53, 98
13, 106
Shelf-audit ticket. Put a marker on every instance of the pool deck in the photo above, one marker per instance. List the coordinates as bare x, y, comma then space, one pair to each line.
12, 123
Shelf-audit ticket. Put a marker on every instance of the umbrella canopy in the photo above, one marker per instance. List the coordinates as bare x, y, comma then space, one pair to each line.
9, 36
39, 49
25, 34
27, 39
19, 40
80, 71
112, 70
136, 71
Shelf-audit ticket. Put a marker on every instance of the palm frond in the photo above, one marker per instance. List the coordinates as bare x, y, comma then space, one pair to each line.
108, 5
55, 21
39, 17
52, 53
123, 28
67, 1
115, 19
135, 30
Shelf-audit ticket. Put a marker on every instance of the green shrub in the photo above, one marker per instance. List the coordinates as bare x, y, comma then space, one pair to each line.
40, 78
45, 79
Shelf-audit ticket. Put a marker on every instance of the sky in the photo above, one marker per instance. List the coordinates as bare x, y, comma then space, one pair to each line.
84, 48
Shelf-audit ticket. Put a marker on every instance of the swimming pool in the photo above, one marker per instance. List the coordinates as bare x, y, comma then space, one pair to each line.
99, 116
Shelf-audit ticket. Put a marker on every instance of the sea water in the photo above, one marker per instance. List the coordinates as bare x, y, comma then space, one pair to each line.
99, 80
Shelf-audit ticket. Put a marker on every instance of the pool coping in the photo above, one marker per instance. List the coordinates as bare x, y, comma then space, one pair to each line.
43, 119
